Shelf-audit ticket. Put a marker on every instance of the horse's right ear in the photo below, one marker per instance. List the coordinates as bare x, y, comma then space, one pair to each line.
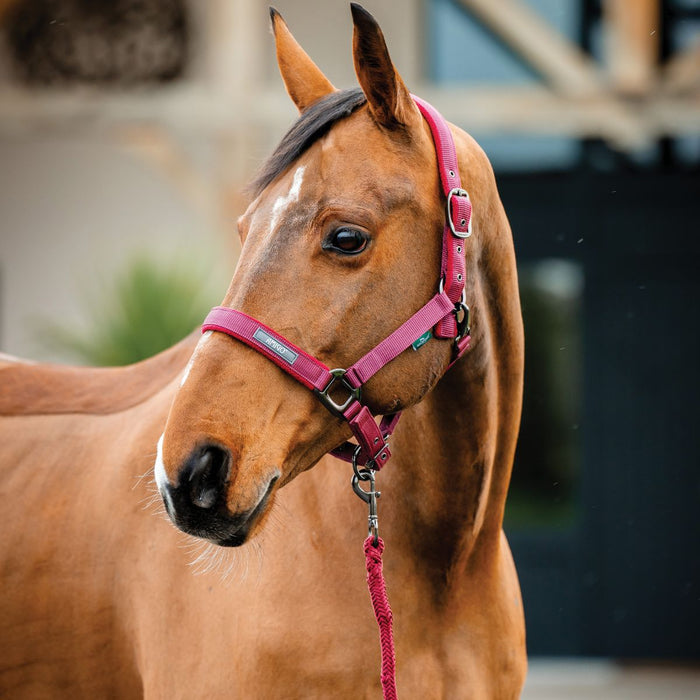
303, 79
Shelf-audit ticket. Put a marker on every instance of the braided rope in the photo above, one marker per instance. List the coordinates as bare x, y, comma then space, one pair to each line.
382, 611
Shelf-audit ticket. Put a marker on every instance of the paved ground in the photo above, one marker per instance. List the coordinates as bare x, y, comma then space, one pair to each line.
574, 679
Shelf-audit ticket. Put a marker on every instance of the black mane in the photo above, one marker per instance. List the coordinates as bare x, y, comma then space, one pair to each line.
311, 126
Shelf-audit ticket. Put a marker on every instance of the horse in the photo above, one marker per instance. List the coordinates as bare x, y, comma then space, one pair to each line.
341, 243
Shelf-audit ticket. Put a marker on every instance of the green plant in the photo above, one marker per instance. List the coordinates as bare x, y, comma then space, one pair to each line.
149, 306
545, 474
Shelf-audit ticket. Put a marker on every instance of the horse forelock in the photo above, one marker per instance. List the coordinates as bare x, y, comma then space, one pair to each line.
313, 123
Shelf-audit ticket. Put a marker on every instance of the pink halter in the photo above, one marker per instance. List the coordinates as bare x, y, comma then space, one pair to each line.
446, 314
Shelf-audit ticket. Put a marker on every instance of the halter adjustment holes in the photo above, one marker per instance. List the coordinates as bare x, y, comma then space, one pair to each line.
346, 241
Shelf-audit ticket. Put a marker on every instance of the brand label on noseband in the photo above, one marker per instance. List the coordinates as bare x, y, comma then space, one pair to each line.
420, 342
275, 346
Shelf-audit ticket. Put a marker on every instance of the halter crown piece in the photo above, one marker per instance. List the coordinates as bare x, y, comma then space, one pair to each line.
446, 314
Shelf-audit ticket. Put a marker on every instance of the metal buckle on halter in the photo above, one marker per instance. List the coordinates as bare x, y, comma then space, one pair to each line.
457, 192
337, 375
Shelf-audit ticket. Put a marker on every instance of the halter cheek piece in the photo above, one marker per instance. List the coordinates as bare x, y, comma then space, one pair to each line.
447, 314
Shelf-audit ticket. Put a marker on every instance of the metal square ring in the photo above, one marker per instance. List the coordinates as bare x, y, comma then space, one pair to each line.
325, 398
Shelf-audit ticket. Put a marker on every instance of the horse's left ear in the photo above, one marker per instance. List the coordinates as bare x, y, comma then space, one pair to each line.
389, 100
303, 79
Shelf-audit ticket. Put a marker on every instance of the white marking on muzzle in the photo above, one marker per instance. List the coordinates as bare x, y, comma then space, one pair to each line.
281, 203
200, 344
159, 470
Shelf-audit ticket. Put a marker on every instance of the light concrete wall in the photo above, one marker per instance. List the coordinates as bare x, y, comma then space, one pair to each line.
71, 213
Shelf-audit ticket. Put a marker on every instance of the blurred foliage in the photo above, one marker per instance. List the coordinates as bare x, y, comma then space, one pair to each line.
149, 307
547, 459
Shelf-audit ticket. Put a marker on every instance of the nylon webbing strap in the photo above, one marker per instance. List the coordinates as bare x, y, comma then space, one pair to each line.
312, 373
437, 314
423, 320
457, 215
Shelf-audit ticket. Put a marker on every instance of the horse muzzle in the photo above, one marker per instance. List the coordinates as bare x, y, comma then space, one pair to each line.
197, 503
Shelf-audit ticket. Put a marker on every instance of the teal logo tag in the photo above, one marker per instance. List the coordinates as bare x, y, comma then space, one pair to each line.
420, 342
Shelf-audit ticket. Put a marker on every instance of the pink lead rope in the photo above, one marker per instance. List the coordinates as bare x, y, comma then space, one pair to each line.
382, 611
446, 315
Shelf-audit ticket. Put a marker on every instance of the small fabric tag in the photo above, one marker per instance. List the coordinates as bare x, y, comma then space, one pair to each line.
420, 342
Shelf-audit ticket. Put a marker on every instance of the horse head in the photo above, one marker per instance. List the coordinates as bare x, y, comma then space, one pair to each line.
341, 244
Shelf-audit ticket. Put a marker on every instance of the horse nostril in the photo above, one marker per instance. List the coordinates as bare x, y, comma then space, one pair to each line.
207, 475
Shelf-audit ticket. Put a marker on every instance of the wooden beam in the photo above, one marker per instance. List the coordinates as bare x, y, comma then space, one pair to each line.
536, 110
217, 200
193, 114
157, 147
631, 37
681, 74
567, 69
563, 65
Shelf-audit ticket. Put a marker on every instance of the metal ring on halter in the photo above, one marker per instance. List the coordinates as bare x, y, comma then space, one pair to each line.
365, 475
338, 375
462, 299
360, 472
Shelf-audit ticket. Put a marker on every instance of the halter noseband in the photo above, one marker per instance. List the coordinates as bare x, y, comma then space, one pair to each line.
446, 314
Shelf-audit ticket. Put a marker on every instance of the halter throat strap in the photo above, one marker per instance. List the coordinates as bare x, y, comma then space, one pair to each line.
446, 314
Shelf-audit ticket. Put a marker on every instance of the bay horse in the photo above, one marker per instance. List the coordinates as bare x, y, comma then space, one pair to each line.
341, 244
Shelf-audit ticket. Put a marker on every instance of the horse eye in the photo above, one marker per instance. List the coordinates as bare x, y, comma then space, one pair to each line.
348, 241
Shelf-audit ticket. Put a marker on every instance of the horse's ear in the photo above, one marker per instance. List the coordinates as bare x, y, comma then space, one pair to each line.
389, 100
303, 79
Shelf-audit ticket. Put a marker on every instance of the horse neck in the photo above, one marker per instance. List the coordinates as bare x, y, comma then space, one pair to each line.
454, 451
60, 389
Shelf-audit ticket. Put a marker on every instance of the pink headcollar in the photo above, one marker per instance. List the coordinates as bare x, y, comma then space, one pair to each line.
446, 314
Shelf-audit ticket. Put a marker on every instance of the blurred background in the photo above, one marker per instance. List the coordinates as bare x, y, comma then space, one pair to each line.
128, 129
